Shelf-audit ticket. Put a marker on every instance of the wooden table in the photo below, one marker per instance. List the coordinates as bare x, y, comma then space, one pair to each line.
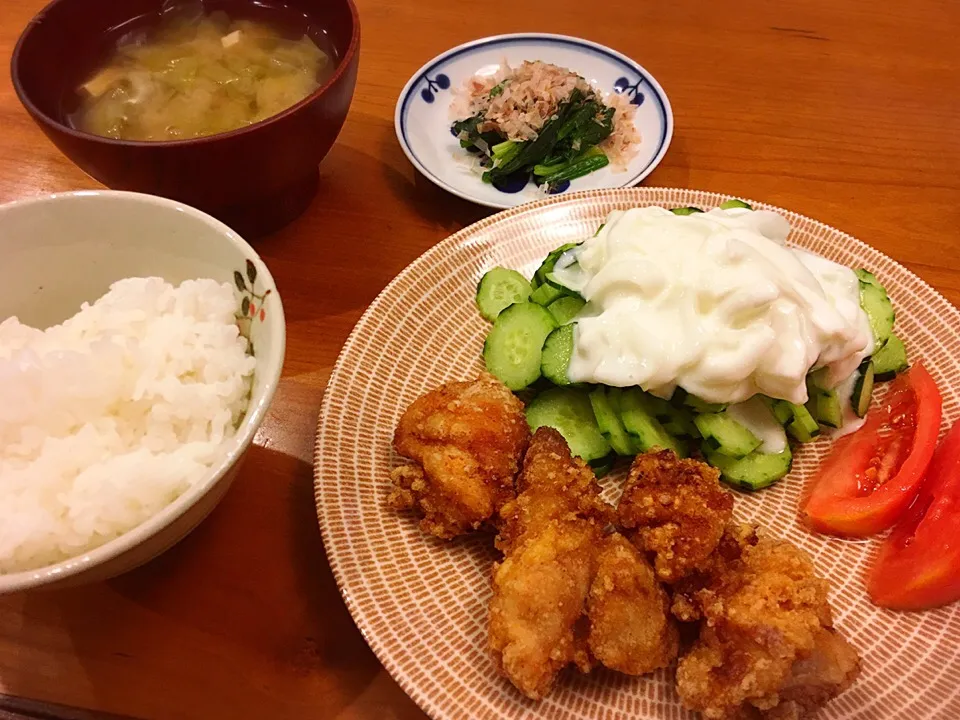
846, 111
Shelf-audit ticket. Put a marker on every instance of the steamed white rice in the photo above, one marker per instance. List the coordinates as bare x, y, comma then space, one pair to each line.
109, 417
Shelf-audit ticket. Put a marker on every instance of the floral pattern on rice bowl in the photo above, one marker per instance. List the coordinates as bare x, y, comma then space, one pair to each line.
252, 303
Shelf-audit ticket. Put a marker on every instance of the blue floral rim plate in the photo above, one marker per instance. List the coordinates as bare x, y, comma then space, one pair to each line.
422, 118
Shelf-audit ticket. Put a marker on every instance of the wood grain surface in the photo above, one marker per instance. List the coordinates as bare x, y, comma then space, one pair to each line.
844, 111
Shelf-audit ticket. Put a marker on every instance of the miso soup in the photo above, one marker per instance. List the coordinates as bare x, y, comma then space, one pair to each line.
199, 76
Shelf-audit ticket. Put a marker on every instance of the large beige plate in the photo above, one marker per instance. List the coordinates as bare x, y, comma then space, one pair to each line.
421, 604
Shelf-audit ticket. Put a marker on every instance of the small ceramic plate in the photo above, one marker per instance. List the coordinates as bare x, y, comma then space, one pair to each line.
422, 118
422, 603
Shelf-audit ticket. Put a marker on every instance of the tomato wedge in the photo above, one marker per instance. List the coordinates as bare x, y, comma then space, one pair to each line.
919, 563
872, 475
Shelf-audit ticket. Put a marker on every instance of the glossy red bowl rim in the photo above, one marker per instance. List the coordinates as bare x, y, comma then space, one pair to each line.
345, 62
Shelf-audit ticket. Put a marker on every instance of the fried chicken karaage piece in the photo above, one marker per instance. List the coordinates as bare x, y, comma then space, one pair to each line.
549, 537
631, 629
675, 510
830, 669
766, 647
466, 440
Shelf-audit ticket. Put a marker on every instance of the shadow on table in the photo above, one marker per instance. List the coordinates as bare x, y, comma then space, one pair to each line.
452, 213
241, 619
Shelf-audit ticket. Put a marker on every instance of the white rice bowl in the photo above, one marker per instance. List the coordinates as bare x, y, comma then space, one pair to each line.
109, 417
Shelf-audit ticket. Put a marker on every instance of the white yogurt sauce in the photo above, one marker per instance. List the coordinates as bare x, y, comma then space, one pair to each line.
715, 303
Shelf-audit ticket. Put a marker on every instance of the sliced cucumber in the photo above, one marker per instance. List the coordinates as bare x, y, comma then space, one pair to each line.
685, 210
566, 308
802, 427
801, 432
555, 358
865, 276
863, 388
723, 434
570, 413
513, 349
679, 445
823, 403
754, 471
500, 288
546, 267
546, 294
677, 421
603, 466
780, 409
682, 397
702, 406
824, 406
890, 360
646, 431
817, 379
876, 304
605, 405
731, 204
795, 418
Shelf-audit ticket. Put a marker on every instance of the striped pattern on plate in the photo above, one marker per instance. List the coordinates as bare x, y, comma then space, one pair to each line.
421, 604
